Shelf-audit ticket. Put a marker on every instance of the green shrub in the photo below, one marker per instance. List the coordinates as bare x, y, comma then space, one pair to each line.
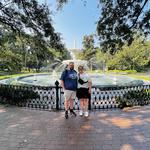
15, 94
132, 98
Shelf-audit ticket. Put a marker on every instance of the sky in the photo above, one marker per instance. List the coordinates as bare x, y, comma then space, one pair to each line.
75, 20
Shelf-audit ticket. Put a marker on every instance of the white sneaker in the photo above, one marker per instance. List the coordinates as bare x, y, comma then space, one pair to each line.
86, 114
81, 113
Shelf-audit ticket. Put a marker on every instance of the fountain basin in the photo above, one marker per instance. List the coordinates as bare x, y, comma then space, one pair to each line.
49, 80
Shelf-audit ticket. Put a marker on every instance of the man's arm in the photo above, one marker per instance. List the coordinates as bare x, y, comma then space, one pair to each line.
62, 84
62, 78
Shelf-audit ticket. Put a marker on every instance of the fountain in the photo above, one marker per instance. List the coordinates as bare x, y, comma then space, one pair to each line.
50, 96
76, 62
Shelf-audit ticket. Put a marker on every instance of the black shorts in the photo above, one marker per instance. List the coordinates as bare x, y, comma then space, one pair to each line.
83, 93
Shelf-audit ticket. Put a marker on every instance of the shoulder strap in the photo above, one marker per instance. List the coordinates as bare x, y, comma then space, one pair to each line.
79, 75
75, 71
66, 71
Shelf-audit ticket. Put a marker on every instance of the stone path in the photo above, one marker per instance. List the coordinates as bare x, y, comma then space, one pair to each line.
24, 129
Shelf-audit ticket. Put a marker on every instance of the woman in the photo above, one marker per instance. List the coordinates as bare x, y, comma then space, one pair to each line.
83, 91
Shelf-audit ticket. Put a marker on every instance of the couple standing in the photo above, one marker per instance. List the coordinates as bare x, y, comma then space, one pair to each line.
76, 84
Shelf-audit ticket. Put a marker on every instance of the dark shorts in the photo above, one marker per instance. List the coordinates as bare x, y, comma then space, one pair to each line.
82, 93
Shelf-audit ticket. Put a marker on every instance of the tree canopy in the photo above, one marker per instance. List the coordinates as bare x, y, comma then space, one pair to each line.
120, 20
30, 17
19, 52
88, 42
27, 36
133, 57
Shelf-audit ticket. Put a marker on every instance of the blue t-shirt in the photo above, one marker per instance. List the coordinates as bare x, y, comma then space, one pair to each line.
70, 79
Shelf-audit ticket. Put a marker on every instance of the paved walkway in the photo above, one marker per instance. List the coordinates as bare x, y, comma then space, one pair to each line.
24, 129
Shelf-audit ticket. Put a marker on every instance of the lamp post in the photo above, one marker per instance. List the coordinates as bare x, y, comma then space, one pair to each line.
1, 36
92, 62
26, 52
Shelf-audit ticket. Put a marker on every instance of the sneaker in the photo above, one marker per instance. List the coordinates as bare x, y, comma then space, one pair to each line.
66, 114
81, 113
73, 113
86, 114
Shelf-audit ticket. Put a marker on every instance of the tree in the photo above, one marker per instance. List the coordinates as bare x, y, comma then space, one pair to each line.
136, 56
88, 42
119, 21
88, 51
9, 61
29, 17
27, 51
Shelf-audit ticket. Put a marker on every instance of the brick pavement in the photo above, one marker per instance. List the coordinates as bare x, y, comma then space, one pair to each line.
24, 129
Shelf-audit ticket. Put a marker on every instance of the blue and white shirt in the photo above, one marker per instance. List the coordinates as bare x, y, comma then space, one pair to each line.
70, 79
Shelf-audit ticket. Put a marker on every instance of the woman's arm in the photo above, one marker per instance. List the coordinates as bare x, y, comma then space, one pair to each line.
90, 85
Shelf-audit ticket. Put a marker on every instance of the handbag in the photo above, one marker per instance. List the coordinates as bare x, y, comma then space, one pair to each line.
81, 81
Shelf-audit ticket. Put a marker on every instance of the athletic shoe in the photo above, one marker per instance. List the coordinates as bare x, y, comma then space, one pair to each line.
86, 114
66, 114
81, 113
72, 112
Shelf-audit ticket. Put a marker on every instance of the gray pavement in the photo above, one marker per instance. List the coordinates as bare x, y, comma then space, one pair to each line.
24, 129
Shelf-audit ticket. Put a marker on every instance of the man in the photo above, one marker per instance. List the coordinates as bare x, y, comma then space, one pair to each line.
69, 85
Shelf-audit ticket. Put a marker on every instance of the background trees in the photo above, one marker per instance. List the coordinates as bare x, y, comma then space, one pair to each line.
133, 57
18, 52
27, 36
88, 47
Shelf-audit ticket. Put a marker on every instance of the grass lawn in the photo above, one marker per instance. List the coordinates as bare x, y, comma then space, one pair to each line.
11, 76
138, 76
129, 73
16, 75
